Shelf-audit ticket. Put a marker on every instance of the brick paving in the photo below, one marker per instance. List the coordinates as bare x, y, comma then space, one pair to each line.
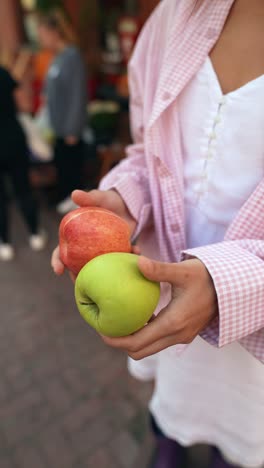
66, 401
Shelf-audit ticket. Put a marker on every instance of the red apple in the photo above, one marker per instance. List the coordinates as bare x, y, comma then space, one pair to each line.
88, 232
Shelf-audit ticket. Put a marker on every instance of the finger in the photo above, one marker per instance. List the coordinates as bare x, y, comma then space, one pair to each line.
56, 262
92, 198
58, 268
156, 347
174, 273
72, 276
161, 272
136, 249
154, 331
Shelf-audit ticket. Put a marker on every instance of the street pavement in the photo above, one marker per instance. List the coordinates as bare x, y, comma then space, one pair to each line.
66, 400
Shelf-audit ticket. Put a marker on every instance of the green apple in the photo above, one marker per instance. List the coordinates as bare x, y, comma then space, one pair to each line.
113, 296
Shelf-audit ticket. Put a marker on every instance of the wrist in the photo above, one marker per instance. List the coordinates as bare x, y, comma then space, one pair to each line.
123, 208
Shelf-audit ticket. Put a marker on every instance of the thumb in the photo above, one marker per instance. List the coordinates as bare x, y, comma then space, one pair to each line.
158, 271
92, 198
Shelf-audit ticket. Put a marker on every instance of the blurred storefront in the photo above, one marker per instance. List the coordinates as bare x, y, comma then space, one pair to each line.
11, 24
91, 17
107, 30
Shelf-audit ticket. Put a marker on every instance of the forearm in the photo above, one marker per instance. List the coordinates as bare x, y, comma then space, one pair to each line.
130, 181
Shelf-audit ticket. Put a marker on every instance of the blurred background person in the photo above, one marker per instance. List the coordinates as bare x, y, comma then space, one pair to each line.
14, 160
65, 97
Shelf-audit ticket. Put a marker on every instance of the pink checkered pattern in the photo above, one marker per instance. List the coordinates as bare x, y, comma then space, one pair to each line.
171, 49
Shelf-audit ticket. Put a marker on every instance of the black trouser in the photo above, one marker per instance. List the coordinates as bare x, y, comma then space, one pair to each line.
68, 160
15, 167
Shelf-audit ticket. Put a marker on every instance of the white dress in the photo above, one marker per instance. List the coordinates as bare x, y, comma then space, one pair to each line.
207, 394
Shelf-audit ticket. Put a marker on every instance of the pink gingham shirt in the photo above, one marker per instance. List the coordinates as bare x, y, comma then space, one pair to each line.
172, 47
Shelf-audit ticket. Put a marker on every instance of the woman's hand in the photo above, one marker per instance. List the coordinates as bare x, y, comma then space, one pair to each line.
192, 308
56, 262
110, 200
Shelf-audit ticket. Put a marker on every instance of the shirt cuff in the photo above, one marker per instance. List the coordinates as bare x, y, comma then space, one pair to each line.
238, 277
134, 199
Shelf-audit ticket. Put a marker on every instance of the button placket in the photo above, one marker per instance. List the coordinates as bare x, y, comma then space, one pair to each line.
208, 152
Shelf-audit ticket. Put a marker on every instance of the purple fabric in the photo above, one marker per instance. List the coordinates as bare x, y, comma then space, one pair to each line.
219, 462
170, 454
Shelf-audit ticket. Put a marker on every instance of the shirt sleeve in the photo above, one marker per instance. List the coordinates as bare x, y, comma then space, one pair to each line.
237, 270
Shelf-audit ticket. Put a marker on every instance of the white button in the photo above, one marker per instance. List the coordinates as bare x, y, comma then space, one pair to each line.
217, 120
210, 134
223, 100
209, 155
